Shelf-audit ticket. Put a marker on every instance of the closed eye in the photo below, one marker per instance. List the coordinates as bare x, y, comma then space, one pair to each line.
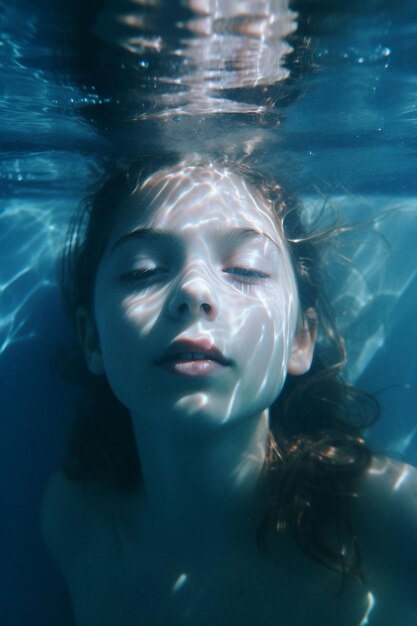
144, 277
245, 275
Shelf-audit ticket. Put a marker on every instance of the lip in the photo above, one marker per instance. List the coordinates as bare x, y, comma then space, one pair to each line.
189, 357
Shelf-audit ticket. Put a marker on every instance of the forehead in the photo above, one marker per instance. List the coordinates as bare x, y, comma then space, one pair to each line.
192, 197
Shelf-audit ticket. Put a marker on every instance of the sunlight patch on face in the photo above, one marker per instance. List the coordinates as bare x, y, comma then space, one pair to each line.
192, 403
232, 401
145, 307
169, 189
152, 182
137, 309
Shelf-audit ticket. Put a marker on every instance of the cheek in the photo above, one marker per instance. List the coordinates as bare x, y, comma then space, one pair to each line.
268, 325
123, 328
266, 337
142, 313
121, 359
125, 321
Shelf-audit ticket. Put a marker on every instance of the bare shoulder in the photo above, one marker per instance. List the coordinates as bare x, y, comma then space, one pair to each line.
386, 502
385, 516
387, 481
89, 531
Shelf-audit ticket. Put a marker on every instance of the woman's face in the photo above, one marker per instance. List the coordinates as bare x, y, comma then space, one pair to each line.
195, 303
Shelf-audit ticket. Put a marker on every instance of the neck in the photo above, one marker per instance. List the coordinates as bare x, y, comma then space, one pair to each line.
210, 481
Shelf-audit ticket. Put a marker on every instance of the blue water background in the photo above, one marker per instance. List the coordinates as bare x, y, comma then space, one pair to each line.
349, 138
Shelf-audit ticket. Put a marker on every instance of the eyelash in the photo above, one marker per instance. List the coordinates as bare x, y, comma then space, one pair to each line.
239, 276
245, 276
145, 275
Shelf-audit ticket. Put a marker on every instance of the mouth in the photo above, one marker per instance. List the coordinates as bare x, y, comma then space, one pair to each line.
193, 358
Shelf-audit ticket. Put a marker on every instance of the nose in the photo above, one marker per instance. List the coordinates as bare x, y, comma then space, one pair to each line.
193, 297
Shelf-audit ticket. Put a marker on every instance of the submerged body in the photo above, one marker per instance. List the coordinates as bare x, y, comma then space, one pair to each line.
194, 319
127, 567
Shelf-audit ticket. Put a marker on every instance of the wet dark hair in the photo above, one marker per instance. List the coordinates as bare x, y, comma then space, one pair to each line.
316, 448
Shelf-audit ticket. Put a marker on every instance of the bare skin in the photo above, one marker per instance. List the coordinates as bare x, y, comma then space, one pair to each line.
122, 567
195, 324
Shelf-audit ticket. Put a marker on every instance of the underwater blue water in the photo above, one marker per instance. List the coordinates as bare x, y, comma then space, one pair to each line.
344, 133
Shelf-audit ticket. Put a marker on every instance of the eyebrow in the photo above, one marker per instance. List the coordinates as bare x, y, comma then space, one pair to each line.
144, 234
246, 233
160, 234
